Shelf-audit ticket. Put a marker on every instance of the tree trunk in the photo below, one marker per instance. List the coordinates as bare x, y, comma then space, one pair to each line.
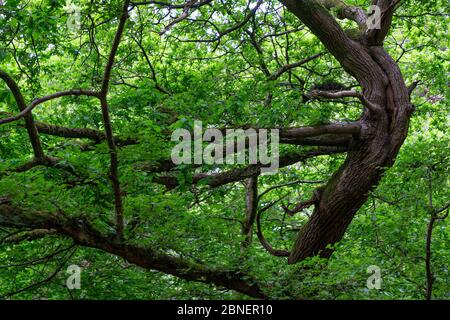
382, 134
368, 157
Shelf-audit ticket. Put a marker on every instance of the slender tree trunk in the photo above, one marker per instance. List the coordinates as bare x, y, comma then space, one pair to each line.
430, 277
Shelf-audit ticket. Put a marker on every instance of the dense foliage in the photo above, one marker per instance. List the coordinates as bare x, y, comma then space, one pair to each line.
218, 65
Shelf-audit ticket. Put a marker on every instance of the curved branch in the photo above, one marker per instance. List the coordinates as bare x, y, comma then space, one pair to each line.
305, 204
35, 103
266, 245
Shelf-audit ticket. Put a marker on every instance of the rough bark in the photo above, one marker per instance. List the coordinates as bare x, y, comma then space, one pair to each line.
378, 145
85, 234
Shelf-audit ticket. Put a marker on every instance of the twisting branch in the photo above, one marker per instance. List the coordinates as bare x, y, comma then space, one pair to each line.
35, 103
82, 133
29, 121
266, 245
114, 170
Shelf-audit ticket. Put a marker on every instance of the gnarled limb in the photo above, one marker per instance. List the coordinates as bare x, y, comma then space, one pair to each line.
375, 149
85, 234
82, 133
266, 245
35, 103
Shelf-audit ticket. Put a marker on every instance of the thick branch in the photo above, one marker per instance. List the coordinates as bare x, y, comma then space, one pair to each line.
82, 133
29, 235
85, 234
353, 128
330, 140
375, 37
353, 57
